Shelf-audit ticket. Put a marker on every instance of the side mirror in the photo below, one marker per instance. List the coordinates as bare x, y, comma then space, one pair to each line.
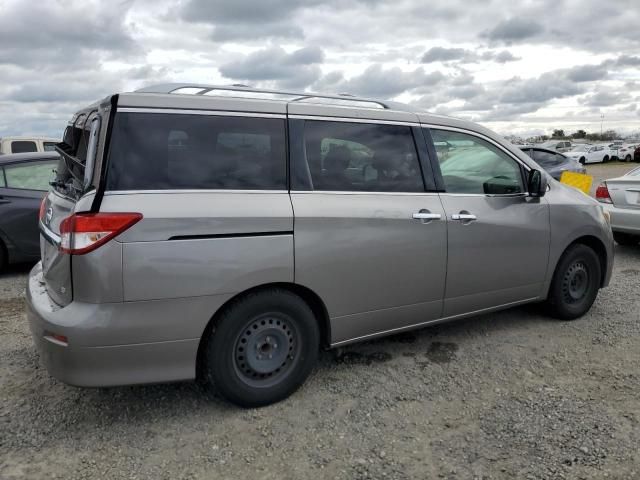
537, 184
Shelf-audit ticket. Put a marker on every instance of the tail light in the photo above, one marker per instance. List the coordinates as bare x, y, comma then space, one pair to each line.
84, 232
602, 194
43, 204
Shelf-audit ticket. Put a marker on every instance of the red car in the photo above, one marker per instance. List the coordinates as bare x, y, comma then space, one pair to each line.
636, 154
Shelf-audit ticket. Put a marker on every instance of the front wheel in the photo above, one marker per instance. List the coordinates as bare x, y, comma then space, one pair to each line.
626, 239
583, 160
262, 348
627, 158
575, 283
605, 159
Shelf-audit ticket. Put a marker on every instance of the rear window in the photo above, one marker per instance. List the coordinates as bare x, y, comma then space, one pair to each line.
23, 146
156, 151
49, 146
30, 176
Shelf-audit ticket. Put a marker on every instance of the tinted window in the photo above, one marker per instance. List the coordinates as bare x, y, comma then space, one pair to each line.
362, 157
472, 165
547, 159
23, 146
49, 146
2, 182
167, 151
30, 176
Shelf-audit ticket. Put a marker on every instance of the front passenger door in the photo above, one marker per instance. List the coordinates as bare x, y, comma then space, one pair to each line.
498, 236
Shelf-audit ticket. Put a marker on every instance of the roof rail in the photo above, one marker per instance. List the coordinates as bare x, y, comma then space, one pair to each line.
201, 89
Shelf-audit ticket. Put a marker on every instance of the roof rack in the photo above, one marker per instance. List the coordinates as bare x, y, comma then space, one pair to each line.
200, 89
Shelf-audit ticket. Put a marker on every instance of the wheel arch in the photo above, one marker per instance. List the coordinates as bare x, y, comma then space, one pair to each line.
309, 296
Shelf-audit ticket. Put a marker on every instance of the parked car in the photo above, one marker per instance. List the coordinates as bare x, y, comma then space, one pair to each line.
24, 179
553, 162
625, 152
557, 145
636, 154
621, 198
27, 144
228, 238
590, 153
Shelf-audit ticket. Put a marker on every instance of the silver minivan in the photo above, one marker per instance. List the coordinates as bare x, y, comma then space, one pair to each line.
227, 234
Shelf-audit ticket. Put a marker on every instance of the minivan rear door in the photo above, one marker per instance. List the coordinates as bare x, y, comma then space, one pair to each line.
74, 177
370, 239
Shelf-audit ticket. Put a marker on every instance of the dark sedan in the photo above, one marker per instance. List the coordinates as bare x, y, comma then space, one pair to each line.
553, 162
24, 179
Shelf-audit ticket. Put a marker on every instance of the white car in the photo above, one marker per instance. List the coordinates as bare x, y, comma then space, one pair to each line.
621, 198
27, 144
625, 152
590, 153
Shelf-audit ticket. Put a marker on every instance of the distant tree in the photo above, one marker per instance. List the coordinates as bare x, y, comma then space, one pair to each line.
579, 134
558, 133
544, 138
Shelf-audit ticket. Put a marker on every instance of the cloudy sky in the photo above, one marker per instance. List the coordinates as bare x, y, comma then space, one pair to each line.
521, 67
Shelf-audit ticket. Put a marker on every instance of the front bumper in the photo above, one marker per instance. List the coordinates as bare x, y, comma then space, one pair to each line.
624, 220
99, 351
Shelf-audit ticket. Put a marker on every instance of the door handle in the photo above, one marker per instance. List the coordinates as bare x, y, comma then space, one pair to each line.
426, 216
464, 217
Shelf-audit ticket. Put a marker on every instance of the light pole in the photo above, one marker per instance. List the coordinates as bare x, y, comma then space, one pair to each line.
601, 121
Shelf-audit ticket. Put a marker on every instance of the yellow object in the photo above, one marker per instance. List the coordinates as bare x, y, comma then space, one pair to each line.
577, 180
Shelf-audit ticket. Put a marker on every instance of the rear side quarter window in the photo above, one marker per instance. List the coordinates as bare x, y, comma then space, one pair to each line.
158, 151
23, 146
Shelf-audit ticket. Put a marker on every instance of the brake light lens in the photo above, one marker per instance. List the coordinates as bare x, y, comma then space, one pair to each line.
84, 232
43, 204
602, 194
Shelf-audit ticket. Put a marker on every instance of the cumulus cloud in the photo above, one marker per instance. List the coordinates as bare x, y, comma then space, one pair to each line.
514, 30
449, 55
462, 55
297, 69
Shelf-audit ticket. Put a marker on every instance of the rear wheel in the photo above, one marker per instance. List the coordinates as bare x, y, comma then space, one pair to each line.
575, 283
627, 158
605, 159
625, 238
262, 348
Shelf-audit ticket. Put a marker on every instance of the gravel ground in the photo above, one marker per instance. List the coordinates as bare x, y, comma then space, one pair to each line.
506, 395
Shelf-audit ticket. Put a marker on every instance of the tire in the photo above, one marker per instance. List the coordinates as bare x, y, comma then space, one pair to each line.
605, 159
583, 160
627, 158
575, 283
626, 239
237, 360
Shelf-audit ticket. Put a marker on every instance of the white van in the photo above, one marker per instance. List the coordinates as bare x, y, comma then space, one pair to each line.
27, 144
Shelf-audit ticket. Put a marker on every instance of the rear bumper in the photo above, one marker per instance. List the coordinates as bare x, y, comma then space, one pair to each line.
625, 220
99, 351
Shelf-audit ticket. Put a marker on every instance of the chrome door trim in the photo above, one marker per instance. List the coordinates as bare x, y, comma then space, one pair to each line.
463, 217
432, 322
426, 216
186, 111
49, 234
340, 192
203, 191
353, 120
